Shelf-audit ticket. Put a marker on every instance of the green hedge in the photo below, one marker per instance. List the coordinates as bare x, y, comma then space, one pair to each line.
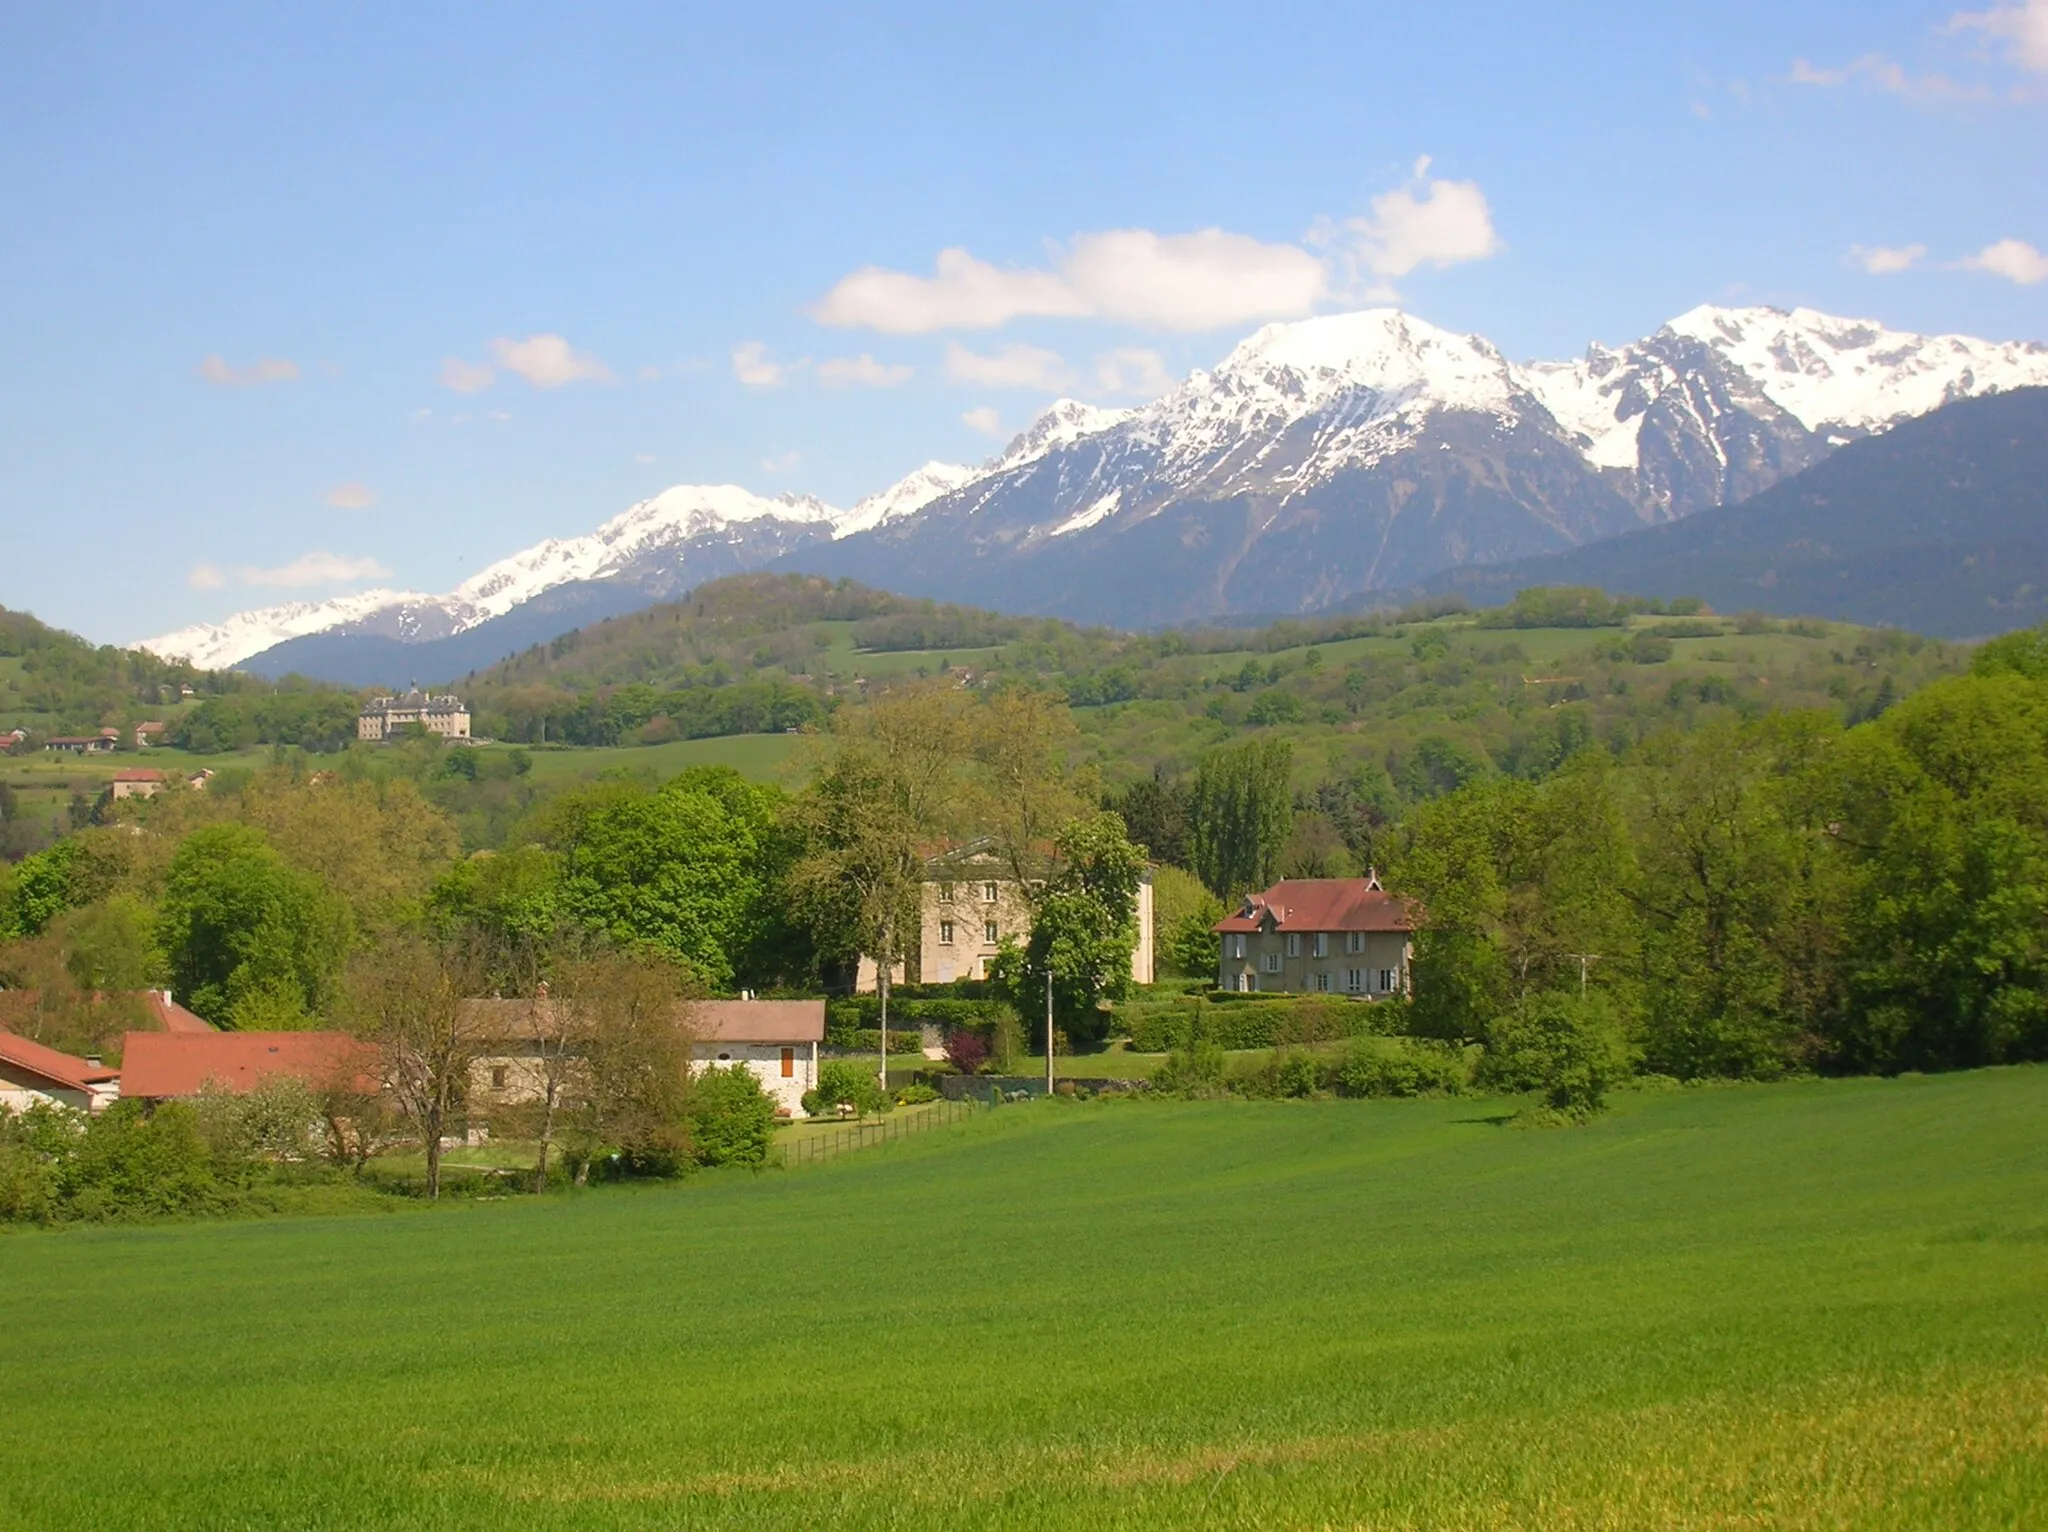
1252, 1022
863, 1013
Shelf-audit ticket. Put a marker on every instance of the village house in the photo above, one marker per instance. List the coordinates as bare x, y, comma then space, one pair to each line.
1343, 936
148, 734
776, 1040
136, 782
102, 743
970, 903
382, 717
169, 1066
33, 1075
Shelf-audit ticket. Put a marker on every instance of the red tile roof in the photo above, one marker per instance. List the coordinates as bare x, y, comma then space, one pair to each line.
61, 1068
1322, 904
711, 1021
159, 1065
138, 774
173, 1017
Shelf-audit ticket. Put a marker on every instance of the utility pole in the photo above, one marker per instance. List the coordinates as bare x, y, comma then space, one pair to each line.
1048, 1024
1586, 962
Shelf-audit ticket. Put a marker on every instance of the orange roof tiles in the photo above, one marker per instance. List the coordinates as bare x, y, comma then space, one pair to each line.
159, 1065
62, 1068
1322, 904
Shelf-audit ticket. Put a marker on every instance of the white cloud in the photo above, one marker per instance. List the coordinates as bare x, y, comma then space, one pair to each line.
1877, 72
985, 420
1200, 281
206, 577
352, 496
1426, 223
2022, 27
752, 366
861, 371
1886, 260
1132, 370
1012, 367
549, 361
786, 463
466, 377
2013, 259
217, 370
643, 458
962, 294
1205, 280
320, 568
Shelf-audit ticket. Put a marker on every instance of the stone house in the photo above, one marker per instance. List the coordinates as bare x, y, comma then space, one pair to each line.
776, 1040
382, 717
1344, 936
136, 782
970, 903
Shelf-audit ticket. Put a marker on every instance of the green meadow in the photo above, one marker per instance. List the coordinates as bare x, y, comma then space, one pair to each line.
1812, 1305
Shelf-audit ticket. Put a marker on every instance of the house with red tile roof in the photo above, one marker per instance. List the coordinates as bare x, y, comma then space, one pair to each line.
31, 1074
165, 1066
136, 782
1345, 936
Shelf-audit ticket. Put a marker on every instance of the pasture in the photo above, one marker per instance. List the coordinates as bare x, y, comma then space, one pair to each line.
1811, 1305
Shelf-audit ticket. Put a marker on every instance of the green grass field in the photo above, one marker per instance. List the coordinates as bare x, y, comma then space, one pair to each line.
1803, 1306
759, 757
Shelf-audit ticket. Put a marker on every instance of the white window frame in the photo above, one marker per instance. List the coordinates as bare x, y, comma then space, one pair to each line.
945, 893
1388, 978
1293, 945
1354, 941
1272, 962
1237, 950
1322, 944
945, 933
988, 893
988, 932
1322, 983
1354, 981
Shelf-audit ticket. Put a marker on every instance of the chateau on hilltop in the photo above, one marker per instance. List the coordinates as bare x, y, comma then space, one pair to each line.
383, 717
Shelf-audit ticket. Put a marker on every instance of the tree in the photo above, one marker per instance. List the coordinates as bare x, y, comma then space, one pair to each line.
248, 941
1155, 815
732, 1120
1573, 1048
1084, 926
1240, 814
1019, 738
890, 787
1182, 913
406, 999
628, 1090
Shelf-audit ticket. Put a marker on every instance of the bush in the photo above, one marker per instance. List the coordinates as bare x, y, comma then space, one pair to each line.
1573, 1048
1418, 1068
1195, 1071
130, 1164
1280, 1075
966, 1050
844, 1080
916, 1095
731, 1118
1247, 1022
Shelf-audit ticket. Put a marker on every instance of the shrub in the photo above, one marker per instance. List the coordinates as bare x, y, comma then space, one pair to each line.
1571, 1047
1195, 1071
1419, 1068
966, 1050
844, 1080
127, 1163
731, 1118
916, 1095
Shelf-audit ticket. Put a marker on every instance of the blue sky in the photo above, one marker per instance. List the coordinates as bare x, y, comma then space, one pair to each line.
291, 294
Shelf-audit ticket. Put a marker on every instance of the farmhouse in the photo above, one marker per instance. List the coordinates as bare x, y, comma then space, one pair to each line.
1318, 935
382, 717
165, 1066
136, 782
777, 1041
970, 903
148, 734
84, 744
31, 1074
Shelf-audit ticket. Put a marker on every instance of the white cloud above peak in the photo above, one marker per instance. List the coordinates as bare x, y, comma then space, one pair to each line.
549, 361
1204, 280
319, 568
1016, 366
862, 371
217, 370
1887, 260
354, 495
984, 419
2013, 259
754, 368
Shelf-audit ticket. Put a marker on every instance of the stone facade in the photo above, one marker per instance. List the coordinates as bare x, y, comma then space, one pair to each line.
1338, 936
382, 717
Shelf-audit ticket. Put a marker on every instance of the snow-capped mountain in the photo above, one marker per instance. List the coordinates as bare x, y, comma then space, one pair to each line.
680, 537
1363, 451
1319, 459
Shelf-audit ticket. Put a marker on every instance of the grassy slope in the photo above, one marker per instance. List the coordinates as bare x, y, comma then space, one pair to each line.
760, 757
1803, 1306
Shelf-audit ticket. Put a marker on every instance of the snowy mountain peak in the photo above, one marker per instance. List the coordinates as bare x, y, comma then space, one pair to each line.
1309, 362
908, 495
1064, 423
216, 645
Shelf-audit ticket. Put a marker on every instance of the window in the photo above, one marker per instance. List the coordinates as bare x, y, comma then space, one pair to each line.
789, 1063
1354, 941
1294, 946
1322, 944
1354, 980
988, 893
946, 933
1272, 962
1322, 983
945, 893
988, 932
1386, 981
1244, 982
1237, 946
498, 1074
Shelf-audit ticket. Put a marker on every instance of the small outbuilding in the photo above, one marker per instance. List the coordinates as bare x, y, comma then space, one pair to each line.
32, 1074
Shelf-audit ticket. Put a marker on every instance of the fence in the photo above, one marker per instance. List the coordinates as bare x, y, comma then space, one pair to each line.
981, 1087
816, 1148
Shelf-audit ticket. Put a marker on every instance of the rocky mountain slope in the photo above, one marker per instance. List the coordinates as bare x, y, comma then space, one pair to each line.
1320, 459
1939, 525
